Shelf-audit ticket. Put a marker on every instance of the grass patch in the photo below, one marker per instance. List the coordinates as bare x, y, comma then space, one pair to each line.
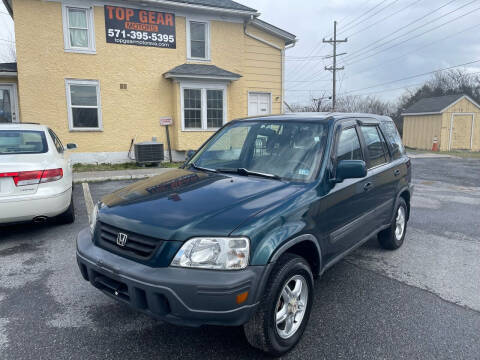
462, 154
122, 166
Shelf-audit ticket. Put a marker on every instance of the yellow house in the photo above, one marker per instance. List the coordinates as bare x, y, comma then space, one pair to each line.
451, 120
102, 74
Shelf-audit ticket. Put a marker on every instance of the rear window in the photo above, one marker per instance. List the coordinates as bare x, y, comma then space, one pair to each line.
22, 142
393, 139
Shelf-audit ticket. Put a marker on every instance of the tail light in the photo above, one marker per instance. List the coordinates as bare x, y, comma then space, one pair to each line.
22, 178
51, 175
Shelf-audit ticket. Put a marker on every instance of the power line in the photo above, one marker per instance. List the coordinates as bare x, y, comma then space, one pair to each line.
414, 76
401, 87
320, 45
350, 57
365, 49
368, 18
396, 58
416, 36
305, 81
349, 15
365, 13
384, 18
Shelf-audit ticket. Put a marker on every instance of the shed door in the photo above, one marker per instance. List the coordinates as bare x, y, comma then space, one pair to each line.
259, 104
461, 135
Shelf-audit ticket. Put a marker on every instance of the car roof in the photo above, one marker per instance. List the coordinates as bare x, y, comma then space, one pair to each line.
23, 126
317, 116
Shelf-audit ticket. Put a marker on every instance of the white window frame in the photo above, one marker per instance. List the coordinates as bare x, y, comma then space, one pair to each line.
203, 87
96, 83
91, 49
207, 39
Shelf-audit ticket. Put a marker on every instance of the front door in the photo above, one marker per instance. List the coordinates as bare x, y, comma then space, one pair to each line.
341, 213
259, 104
8, 103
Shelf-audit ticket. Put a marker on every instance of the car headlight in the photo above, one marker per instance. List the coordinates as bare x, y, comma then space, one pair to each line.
214, 253
93, 218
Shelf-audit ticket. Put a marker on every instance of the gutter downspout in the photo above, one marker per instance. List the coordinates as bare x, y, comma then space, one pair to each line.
8, 7
281, 49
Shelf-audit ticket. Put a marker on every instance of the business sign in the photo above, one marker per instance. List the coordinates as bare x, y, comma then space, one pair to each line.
140, 27
166, 121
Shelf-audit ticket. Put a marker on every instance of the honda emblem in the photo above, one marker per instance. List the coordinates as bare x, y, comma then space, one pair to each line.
122, 239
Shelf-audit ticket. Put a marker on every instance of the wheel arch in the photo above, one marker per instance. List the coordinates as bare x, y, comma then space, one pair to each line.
406, 195
305, 245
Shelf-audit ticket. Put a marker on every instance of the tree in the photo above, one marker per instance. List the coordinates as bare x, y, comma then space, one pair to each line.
352, 104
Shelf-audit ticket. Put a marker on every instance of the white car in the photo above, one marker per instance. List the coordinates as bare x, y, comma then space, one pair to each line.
35, 175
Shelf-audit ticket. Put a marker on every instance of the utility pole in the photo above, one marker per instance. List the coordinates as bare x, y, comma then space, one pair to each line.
334, 68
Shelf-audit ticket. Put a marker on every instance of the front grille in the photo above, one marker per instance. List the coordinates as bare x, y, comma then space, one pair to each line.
136, 246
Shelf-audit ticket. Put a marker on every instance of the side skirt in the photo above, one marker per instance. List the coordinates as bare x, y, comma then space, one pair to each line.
354, 247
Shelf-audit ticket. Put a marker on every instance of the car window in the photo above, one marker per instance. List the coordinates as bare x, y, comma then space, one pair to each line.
288, 149
349, 146
394, 140
374, 143
22, 142
228, 147
56, 141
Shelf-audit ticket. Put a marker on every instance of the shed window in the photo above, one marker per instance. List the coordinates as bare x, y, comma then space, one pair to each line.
198, 42
78, 29
83, 100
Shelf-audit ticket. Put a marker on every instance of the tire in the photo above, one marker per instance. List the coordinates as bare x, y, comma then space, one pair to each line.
391, 238
68, 217
261, 330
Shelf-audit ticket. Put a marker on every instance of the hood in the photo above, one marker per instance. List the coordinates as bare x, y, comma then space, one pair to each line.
180, 203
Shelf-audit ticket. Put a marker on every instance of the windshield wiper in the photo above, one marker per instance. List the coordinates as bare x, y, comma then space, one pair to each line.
245, 172
202, 168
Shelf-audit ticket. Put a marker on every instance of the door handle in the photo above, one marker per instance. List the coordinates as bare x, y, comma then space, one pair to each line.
396, 172
367, 186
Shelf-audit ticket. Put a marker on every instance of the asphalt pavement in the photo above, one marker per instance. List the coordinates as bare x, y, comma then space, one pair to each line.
421, 302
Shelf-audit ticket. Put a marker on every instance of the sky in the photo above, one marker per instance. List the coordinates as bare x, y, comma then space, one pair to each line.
388, 40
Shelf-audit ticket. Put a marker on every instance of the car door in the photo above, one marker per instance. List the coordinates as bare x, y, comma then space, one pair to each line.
382, 178
343, 207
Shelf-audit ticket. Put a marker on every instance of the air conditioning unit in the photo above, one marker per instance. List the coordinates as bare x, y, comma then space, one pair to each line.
149, 152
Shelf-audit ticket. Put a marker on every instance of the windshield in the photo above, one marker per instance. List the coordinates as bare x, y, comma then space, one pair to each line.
22, 142
289, 150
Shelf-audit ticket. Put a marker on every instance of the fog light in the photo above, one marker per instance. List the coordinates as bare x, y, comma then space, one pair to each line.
241, 298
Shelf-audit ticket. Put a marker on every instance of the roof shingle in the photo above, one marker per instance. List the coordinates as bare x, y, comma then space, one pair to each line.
8, 67
433, 104
201, 70
226, 4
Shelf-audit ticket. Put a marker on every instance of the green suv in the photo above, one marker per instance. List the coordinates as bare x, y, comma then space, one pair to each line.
238, 234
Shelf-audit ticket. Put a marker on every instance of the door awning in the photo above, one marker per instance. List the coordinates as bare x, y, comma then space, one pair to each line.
202, 72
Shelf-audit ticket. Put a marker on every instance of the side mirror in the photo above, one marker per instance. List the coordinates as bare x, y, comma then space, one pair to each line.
190, 154
350, 169
71, 146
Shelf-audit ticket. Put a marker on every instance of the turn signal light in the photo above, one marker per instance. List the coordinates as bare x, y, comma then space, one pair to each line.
22, 178
241, 298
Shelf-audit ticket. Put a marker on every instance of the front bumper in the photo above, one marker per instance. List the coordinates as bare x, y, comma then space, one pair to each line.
191, 297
